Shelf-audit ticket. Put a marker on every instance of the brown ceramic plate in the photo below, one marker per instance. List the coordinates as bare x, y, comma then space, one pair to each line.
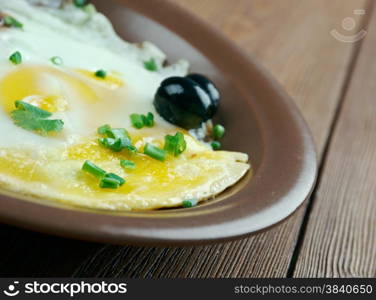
260, 118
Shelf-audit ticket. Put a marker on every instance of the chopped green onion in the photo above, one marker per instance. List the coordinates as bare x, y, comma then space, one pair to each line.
151, 65
118, 145
137, 121
190, 203
107, 180
131, 149
148, 119
127, 164
155, 152
216, 145
101, 74
104, 129
117, 133
12, 22
106, 142
117, 139
115, 177
80, 3
218, 132
140, 121
115, 145
16, 58
109, 183
93, 169
175, 145
114, 133
57, 60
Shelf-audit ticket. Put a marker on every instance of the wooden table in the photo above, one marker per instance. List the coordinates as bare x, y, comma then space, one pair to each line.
334, 84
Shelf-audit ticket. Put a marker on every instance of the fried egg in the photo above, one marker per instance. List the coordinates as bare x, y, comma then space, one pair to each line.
50, 166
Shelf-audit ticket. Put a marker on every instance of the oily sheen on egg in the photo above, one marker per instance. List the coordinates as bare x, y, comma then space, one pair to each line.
50, 166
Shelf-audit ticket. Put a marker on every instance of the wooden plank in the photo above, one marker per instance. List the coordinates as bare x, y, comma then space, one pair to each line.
340, 240
292, 39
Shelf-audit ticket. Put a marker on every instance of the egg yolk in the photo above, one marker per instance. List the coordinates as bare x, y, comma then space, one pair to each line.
46, 87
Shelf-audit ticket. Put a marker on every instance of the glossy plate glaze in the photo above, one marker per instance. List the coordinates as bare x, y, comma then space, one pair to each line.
260, 119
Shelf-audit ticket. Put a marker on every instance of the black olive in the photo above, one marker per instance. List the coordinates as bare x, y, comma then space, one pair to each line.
181, 101
209, 87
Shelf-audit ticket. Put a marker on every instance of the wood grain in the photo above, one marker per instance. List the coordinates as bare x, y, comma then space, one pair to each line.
292, 39
340, 240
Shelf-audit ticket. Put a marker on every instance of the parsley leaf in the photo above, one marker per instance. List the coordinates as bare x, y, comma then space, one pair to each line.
12, 22
32, 118
36, 111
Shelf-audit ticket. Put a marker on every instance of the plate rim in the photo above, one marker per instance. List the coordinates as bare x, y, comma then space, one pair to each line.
115, 229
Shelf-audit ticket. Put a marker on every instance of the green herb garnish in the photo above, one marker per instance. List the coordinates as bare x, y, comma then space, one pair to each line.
12, 22
16, 58
117, 145
137, 121
148, 120
127, 164
155, 152
175, 144
117, 133
93, 169
218, 132
216, 145
151, 65
117, 139
32, 118
140, 121
107, 180
104, 129
109, 183
80, 3
115, 177
57, 60
101, 74
114, 145
190, 203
